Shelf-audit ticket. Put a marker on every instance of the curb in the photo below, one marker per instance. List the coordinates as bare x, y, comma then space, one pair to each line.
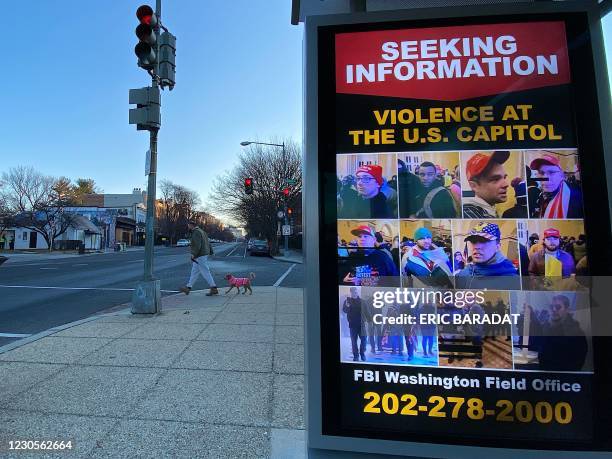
50, 331
289, 260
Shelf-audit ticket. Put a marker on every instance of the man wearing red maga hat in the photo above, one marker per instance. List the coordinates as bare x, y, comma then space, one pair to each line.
556, 199
550, 262
366, 200
488, 180
373, 266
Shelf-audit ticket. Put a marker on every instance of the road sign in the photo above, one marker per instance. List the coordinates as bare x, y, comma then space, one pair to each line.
291, 181
280, 214
286, 230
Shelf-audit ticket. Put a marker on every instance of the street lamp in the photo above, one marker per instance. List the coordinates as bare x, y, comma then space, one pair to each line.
246, 143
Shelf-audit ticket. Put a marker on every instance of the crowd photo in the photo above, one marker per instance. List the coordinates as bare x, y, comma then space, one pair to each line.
363, 338
426, 253
429, 185
366, 186
476, 344
368, 253
552, 331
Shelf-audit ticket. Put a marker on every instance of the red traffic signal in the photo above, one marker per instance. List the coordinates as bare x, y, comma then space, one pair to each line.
286, 191
147, 36
248, 185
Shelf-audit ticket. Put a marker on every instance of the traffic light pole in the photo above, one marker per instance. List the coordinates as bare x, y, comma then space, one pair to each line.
147, 295
151, 197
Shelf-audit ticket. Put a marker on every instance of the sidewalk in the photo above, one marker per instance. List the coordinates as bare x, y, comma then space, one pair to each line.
44, 255
291, 256
208, 377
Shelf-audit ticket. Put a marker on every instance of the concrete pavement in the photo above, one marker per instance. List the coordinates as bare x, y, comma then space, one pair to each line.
208, 377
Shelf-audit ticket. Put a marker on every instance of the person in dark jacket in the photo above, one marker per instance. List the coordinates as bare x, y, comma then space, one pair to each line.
557, 199
489, 267
433, 200
367, 201
372, 266
200, 251
354, 310
428, 330
563, 346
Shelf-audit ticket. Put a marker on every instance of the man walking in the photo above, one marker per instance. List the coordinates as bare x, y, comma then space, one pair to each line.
200, 251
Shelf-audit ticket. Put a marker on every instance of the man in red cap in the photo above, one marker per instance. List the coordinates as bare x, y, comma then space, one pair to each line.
367, 200
489, 182
372, 266
557, 199
551, 262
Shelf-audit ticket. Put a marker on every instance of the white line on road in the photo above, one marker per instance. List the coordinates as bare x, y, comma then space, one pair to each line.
81, 288
282, 278
233, 250
80, 264
245, 247
14, 335
48, 268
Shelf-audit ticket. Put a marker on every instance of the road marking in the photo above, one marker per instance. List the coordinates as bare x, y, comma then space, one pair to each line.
81, 288
233, 250
245, 250
282, 278
14, 335
80, 264
48, 268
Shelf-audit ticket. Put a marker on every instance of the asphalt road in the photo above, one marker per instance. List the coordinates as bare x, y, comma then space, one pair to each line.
36, 295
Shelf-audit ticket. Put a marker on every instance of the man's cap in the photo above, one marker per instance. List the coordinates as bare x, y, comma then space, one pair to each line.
484, 230
547, 159
422, 233
479, 162
552, 232
374, 170
363, 229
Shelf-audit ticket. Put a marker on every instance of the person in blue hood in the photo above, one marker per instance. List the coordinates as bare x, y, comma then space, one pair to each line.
489, 268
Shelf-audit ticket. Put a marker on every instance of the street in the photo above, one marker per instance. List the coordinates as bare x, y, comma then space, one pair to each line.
39, 294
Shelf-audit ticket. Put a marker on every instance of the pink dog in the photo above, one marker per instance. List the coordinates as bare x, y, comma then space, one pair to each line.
238, 282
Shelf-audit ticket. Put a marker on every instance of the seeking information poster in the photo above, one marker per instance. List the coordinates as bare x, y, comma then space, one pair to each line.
462, 308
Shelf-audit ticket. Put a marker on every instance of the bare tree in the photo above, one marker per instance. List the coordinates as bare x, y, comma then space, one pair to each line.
270, 168
38, 201
179, 204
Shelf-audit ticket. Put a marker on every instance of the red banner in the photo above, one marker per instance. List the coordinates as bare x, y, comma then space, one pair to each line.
452, 63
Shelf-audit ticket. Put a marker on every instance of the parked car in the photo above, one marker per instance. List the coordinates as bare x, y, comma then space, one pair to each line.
259, 247
250, 244
183, 243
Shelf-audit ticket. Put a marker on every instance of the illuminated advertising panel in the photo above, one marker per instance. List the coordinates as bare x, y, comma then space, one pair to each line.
452, 171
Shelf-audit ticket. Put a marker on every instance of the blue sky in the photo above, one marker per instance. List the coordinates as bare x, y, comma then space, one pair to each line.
67, 70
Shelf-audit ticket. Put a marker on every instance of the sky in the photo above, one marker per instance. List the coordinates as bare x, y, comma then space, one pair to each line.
68, 67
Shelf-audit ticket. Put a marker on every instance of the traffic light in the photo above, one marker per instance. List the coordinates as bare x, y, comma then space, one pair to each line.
289, 212
248, 185
167, 60
146, 32
147, 114
286, 191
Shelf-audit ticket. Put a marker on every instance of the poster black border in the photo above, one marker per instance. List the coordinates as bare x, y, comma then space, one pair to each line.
597, 223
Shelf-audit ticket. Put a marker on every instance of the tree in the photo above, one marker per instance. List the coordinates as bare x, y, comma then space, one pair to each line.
270, 167
179, 205
84, 187
38, 201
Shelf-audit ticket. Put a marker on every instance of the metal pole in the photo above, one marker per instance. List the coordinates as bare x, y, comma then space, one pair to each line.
150, 225
286, 218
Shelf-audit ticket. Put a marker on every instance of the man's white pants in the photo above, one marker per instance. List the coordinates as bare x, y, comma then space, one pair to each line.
201, 267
